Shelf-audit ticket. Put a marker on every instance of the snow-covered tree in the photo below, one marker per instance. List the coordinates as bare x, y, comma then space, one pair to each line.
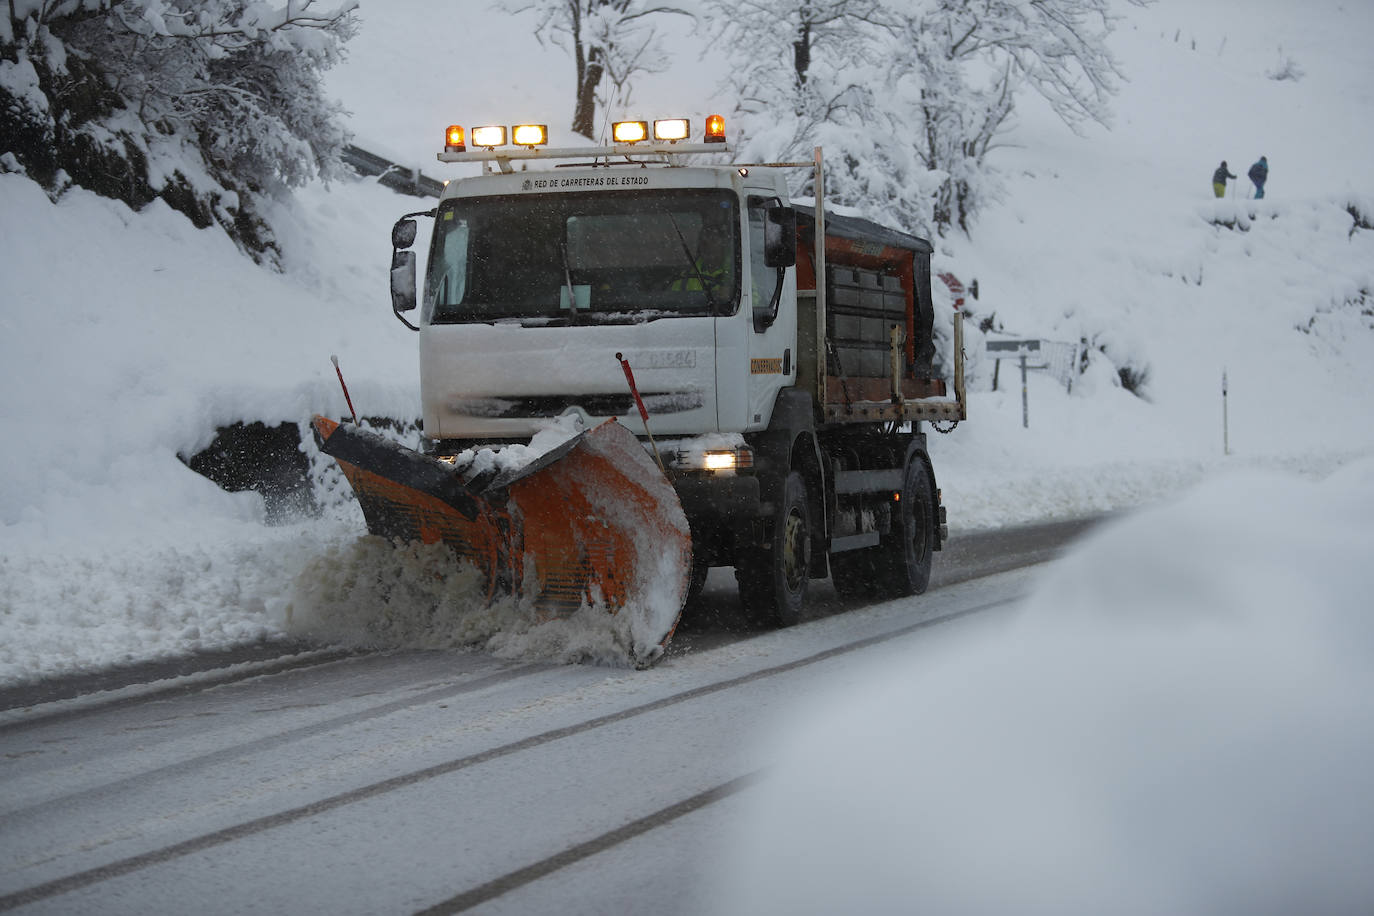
972, 59
812, 73
207, 104
612, 40
909, 96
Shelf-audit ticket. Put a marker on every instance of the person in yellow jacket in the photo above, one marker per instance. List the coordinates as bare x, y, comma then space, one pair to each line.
708, 271
1219, 179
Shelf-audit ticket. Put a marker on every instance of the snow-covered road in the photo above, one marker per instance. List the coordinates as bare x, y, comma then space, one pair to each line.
400, 782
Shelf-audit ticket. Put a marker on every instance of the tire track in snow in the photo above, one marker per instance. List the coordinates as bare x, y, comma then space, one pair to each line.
269, 742
119, 868
20, 698
574, 854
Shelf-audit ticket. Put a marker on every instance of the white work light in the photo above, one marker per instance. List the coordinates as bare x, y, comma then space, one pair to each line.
672, 129
488, 137
629, 131
530, 134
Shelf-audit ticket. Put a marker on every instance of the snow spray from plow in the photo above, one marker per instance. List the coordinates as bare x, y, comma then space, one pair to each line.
592, 523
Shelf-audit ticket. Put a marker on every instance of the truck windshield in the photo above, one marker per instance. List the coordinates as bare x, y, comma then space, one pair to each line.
603, 257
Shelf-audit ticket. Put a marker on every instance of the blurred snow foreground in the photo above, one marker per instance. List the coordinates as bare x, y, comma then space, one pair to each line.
1179, 720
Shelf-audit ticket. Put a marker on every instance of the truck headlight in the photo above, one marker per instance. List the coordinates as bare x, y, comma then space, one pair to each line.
731, 460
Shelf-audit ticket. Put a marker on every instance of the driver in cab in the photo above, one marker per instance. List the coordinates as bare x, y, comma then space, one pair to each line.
709, 270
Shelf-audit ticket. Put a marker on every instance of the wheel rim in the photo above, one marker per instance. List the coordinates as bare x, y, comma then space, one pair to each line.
793, 553
917, 524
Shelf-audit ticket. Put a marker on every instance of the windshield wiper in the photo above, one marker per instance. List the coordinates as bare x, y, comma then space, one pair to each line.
687, 250
567, 279
708, 286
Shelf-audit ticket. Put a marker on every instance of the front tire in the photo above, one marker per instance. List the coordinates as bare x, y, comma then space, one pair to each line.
773, 580
697, 580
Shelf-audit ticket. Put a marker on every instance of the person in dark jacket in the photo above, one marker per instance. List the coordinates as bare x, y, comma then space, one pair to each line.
1259, 174
1219, 179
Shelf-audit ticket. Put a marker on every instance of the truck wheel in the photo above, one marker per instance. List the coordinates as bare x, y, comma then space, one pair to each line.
905, 555
852, 574
773, 581
900, 564
697, 581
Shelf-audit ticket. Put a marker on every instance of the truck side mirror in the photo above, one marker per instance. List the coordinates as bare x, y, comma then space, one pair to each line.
780, 236
403, 233
403, 278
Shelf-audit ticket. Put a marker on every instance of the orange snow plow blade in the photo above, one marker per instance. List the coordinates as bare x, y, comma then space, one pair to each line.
592, 523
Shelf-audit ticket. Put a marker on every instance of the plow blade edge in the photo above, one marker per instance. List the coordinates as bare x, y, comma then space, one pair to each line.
591, 524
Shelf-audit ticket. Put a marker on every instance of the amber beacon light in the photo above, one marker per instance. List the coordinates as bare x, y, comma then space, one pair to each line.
453, 140
715, 129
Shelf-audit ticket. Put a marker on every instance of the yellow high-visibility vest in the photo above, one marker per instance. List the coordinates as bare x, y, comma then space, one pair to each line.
692, 282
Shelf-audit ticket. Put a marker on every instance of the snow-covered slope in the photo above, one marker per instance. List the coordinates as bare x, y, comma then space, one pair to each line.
128, 338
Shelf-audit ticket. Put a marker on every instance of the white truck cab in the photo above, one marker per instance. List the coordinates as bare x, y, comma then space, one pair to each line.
537, 279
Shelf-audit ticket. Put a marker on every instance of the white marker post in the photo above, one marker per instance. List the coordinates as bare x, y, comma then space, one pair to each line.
1225, 422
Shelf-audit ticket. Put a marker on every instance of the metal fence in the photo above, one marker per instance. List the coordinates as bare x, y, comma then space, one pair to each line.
1058, 358
397, 177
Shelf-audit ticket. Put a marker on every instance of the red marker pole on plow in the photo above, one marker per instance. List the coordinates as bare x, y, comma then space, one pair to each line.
339, 373
643, 412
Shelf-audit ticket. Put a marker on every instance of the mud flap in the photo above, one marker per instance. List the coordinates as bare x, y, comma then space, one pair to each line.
592, 523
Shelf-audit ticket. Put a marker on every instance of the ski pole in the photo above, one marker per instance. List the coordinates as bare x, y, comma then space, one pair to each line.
339, 373
643, 412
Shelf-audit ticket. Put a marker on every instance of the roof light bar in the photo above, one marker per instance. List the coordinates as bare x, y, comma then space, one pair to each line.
503, 144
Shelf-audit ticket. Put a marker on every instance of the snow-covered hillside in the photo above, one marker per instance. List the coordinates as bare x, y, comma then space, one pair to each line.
128, 338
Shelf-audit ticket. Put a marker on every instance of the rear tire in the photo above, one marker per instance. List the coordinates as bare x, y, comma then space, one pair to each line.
909, 549
773, 580
852, 574
899, 566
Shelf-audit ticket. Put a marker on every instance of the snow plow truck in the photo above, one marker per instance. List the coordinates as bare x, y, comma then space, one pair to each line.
743, 381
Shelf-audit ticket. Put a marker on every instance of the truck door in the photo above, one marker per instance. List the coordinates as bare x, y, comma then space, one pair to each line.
770, 295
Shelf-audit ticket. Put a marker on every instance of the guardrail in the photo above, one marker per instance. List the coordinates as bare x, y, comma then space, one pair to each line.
397, 177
